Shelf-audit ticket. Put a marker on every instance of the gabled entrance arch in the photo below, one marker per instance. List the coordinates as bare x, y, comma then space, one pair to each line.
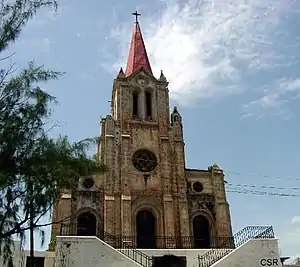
201, 230
86, 224
145, 229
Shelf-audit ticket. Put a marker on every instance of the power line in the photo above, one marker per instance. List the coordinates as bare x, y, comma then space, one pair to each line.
246, 189
262, 193
263, 187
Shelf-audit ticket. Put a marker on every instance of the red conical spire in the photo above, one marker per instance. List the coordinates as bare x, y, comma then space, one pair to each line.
137, 57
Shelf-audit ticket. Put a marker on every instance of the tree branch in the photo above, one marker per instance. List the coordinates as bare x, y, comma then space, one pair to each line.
7, 57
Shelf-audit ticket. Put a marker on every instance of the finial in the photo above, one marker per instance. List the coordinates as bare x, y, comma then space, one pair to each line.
216, 168
175, 116
136, 14
162, 77
121, 73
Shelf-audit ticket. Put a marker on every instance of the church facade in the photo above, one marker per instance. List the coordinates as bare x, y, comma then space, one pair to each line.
148, 197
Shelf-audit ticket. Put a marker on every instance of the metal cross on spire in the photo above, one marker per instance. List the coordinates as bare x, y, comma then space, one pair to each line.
136, 14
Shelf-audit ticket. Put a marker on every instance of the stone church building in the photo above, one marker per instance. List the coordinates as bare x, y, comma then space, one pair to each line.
148, 198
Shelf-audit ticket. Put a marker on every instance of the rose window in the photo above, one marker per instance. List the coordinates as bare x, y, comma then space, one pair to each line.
144, 160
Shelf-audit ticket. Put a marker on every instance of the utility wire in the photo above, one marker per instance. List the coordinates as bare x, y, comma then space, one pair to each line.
264, 187
246, 189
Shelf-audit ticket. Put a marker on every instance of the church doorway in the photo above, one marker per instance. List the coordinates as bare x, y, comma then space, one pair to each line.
86, 224
145, 229
201, 231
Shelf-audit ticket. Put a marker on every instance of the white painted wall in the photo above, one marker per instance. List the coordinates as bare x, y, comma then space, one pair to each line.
254, 253
49, 259
20, 256
17, 255
93, 252
81, 251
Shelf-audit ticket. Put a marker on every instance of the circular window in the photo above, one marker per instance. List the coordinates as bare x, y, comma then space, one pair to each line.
88, 183
198, 187
144, 160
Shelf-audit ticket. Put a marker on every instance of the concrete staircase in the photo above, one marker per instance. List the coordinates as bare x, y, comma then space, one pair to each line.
240, 238
128, 250
107, 249
113, 242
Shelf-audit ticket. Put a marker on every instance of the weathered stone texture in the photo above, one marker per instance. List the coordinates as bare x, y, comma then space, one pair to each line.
167, 191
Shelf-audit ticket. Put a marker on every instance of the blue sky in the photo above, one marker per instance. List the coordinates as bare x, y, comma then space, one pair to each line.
233, 68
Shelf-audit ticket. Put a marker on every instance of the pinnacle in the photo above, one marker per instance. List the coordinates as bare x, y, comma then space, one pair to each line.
137, 57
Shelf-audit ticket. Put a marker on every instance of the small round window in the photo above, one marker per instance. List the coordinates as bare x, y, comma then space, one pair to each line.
198, 187
88, 183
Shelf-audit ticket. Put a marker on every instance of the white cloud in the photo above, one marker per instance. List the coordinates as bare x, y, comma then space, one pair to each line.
205, 47
289, 239
296, 220
274, 99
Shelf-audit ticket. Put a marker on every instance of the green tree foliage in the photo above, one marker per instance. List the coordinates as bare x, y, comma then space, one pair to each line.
33, 166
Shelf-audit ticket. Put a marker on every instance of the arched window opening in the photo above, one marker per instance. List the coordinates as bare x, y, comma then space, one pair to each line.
135, 100
148, 106
201, 231
145, 228
86, 224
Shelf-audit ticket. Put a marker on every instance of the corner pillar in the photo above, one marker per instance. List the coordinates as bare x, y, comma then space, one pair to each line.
126, 220
184, 222
169, 233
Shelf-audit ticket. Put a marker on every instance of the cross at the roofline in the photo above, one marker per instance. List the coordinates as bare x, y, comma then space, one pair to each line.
136, 14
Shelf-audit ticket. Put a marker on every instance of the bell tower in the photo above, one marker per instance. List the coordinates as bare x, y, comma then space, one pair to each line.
137, 95
144, 153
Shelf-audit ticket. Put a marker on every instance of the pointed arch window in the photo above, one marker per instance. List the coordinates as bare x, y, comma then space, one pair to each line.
148, 96
135, 104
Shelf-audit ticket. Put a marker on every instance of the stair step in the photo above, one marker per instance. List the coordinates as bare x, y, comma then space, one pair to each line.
249, 232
